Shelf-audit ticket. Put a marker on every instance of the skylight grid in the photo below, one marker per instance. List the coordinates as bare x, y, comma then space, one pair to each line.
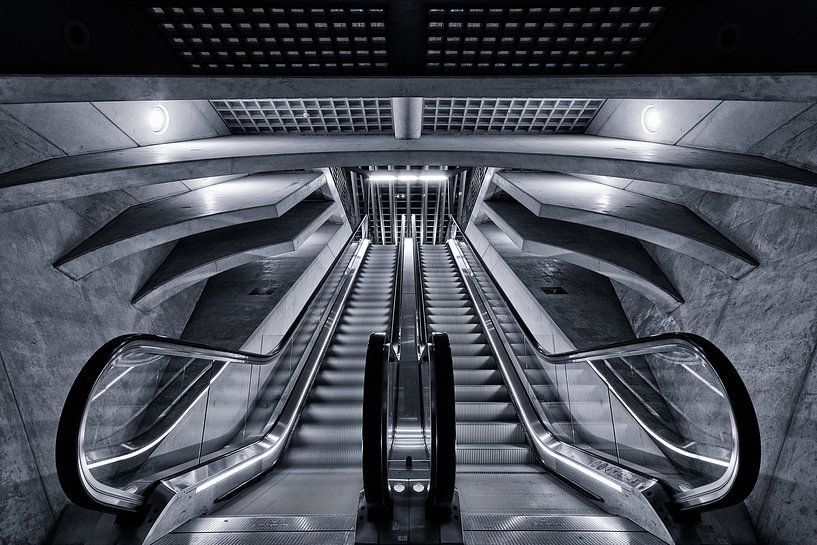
318, 115
535, 40
510, 116
272, 40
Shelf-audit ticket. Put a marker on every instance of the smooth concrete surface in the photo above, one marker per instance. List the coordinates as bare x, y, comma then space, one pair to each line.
186, 120
49, 327
618, 257
563, 197
765, 324
330, 240
22, 146
73, 127
84, 127
781, 87
722, 172
621, 118
589, 313
253, 198
540, 323
250, 307
147, 193
199, 257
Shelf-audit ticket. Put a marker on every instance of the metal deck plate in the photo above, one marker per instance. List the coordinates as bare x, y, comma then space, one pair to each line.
259, 538
276, 523
561, 538
559, 523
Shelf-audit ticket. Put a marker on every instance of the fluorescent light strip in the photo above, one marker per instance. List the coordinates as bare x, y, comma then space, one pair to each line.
408, 178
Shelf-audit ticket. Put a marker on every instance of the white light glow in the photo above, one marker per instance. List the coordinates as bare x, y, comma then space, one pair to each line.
158, 119
650, 119
408, 178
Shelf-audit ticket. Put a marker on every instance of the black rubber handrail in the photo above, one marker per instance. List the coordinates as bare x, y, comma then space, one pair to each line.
443, 429
747, 434
375, 429
69, 430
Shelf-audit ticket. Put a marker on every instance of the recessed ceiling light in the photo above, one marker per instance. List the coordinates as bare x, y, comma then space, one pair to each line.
158, 119
650, 119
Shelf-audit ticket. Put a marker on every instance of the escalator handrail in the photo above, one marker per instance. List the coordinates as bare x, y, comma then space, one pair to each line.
422, 319
74, 479
443, 458
736, 484
394, 319
375, 429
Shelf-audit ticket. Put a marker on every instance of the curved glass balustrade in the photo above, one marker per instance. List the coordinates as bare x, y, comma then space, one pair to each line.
145, 408
670, 407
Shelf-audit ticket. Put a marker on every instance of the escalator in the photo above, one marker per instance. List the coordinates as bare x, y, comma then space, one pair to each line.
634, 442
181, 442
320, 473
469, 431
505, 496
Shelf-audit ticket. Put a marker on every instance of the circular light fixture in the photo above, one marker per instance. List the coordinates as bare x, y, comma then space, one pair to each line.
650, 119
158, 119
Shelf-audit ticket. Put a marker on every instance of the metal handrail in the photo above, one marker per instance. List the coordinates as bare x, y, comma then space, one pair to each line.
394, 319
73, 471
422, 320
743, 466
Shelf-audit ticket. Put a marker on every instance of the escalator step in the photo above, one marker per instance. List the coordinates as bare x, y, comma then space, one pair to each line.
491, 454
490, 433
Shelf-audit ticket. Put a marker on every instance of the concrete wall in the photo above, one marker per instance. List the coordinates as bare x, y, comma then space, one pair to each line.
49, 323
49, 326
766, 322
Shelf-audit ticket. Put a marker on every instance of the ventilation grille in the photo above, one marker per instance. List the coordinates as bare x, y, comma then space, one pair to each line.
262, 39
440, 115
512, 115
559, 39
329, 115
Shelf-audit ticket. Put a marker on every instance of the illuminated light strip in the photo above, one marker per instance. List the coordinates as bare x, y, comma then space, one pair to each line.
235, 469
164, 434
702, 379
654, 435
603, 479
114, 381
408, 178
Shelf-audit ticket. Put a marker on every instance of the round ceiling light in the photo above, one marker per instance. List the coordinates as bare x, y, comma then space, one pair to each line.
158, 119
650, 119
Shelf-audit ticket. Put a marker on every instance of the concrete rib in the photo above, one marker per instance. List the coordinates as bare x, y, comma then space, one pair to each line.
254, 198
576, 200
618, 257
723, 172
204, 255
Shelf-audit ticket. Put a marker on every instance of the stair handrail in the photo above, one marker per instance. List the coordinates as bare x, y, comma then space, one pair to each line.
73, 472
743, 467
